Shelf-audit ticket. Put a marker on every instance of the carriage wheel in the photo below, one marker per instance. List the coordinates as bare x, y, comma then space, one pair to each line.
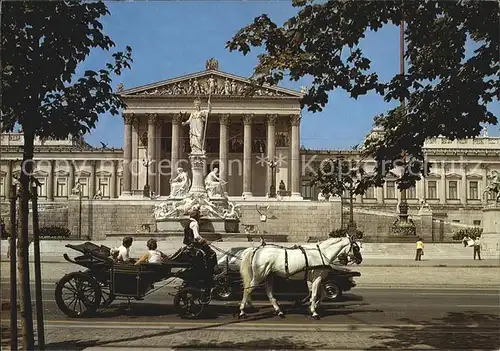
78, 294
333, 291
106, 298
187, 302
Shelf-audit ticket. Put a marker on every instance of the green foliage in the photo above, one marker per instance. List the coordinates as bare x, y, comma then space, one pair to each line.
54, 232
342, 232
42, 45
334, 176
470, 232
446, 93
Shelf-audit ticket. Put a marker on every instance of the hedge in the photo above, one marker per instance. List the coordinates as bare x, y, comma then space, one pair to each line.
55, 232
470, 232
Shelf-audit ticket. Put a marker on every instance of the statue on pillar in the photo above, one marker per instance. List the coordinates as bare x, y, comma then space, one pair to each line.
197, 127
494, 186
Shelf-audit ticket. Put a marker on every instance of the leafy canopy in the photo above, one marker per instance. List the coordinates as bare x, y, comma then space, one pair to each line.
446, 93
42, 45
336, 176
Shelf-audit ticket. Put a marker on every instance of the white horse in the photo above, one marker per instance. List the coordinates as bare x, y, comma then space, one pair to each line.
309, 262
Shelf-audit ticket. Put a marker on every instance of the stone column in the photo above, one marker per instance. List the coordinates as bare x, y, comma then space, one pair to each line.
176, 121
271, 149
136, 164
112, 186
484, 197
420, 189
463, 187
8, 179
92, 185
247, 155
295, 156
50, 182
442, 184
223, 149
71, 179
380, 194
152, 122
127, 155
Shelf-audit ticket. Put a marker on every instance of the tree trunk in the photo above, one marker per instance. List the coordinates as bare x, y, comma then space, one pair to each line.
26, 312
13, 268
38, 271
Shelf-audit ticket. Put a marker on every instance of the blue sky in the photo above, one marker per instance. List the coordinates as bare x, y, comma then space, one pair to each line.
173, 38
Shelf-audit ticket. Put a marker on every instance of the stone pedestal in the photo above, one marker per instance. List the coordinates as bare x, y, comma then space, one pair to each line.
424, 230
490, 238
197, 168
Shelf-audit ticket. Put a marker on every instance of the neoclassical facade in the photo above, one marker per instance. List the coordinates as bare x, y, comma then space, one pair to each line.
247, 127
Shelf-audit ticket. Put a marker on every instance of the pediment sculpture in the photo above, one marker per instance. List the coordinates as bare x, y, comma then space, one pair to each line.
210, 85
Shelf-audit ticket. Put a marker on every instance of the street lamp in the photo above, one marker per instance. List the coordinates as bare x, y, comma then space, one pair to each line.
146, 163
272, 188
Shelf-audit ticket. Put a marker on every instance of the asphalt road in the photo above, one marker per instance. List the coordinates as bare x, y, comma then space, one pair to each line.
367, 318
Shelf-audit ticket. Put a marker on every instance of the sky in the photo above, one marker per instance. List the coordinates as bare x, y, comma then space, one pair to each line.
174, 38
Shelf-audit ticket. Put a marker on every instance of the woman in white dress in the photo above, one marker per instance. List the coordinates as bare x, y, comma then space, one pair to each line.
153, 255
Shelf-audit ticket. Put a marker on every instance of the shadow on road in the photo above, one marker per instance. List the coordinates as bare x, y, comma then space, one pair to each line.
456, 331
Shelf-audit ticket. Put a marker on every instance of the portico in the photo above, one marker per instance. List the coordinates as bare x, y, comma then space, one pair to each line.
247, 126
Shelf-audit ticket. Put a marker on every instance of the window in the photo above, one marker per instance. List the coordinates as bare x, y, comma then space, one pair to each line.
411, 193
452, 190
84, 187
2, 187
306, 190
62, 187
390, 190
432, 189
42, 189
120, 186
474, 190
104, 186
370, 193
476, 222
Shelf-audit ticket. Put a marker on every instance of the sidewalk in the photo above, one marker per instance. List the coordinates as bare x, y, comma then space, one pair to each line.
367, 262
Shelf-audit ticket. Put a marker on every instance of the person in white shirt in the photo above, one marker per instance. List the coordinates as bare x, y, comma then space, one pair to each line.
153, 255
124, 250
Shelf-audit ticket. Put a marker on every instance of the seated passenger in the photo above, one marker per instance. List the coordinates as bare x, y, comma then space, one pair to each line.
124, 250
153, 255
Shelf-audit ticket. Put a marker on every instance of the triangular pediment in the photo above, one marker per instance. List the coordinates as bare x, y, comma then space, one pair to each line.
218, 83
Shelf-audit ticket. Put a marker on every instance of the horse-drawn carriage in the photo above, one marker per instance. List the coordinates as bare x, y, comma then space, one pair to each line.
83, 293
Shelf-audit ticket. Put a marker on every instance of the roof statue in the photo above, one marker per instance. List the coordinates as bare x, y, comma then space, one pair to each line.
212, 64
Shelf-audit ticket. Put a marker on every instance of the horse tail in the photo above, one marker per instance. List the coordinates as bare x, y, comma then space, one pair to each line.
246, 270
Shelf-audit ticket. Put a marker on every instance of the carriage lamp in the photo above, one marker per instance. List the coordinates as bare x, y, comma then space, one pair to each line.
147, 191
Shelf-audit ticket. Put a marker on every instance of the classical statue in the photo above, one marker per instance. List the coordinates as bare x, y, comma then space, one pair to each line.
213, 184
76, 188
196, 122
227, 87
494, 186
424, 206
321, 196
179, 186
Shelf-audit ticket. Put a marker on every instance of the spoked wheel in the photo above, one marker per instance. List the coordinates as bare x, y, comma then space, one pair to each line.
78, 294
223, 289
188, 303
106, 298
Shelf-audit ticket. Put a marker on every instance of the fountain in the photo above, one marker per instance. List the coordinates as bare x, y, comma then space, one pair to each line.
218, 214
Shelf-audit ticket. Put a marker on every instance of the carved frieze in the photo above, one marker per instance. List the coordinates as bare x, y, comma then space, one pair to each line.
210, 85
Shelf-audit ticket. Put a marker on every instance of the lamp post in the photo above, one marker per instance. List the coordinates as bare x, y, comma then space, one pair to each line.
272, 188
146, 163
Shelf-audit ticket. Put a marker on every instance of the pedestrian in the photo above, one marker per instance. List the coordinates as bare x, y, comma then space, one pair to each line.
420, 250
477, 248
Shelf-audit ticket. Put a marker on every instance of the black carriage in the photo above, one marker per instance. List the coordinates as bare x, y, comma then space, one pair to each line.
82, 293
228, 286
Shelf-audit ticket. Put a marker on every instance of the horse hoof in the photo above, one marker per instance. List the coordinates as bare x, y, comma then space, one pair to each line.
316, 317
242, 316
281, 314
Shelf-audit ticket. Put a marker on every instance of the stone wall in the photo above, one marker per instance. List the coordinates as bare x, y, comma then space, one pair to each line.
48, 215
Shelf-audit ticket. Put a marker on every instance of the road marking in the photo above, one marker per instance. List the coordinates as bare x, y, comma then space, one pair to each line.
457, 294
479, 306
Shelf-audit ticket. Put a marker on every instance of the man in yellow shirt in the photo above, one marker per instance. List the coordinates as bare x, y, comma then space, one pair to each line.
420, 250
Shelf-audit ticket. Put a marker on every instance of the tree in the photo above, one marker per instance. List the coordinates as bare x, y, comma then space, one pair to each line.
446, 93
42, 45
337, 176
